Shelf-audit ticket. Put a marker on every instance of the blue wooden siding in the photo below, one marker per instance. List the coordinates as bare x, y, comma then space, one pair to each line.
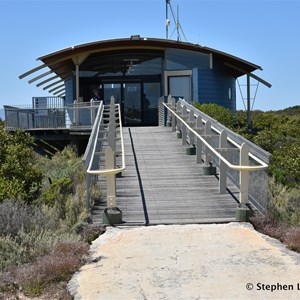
214, 85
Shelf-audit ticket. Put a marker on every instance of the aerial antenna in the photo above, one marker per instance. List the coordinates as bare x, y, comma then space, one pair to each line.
167, 19
178, 27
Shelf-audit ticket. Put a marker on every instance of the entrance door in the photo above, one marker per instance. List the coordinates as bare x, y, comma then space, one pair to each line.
132, 104
151, 94
138, 101
112, 89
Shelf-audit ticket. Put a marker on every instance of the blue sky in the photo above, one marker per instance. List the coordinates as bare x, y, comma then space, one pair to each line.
264, 32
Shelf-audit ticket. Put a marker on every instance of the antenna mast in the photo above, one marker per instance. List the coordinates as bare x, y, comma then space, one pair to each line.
167, 19
178, 27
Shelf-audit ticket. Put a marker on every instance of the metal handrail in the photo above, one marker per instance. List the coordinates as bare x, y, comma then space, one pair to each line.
263, 165
94, 133
115, 170
219, 132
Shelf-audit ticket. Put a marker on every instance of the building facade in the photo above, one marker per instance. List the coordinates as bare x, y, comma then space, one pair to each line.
138, 71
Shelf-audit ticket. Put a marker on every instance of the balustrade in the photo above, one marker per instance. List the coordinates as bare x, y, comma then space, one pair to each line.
212, 147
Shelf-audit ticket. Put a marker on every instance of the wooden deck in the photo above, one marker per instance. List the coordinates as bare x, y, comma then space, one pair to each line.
163, 185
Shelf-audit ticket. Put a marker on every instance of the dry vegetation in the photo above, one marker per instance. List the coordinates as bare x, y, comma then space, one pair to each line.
278, 132
45, 228
45, 241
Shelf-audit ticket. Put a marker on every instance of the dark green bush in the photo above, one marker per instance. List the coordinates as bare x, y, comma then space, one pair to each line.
219, 113
20, 176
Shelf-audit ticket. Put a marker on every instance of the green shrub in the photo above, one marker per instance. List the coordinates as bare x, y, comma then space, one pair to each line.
284, 203
64, 164
20, 176
219, 113
285, 164
11, 253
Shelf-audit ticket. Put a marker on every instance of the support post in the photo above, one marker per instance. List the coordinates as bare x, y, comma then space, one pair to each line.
207, 133
248, 101
207, 168
191, 150
179, 125
244, 175
93, 111
199, 129
173, 118
243, 211
112, 215
75, 113
169, 114
77, 81
192, 124
110, 163
222, 165
183, 127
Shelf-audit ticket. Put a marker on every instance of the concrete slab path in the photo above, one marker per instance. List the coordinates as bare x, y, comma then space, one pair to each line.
223, 261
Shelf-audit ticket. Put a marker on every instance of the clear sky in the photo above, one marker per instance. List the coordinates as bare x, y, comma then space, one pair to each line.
264, 32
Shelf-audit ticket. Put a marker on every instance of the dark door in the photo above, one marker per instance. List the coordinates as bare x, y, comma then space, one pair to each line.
139, 101
151, 94
132, 104
112, 89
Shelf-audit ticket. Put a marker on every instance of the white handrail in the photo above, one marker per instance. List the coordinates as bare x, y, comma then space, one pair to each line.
263, 165
228, 138
110, 171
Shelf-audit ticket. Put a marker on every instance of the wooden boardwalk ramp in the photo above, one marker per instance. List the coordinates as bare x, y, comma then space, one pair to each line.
163, 185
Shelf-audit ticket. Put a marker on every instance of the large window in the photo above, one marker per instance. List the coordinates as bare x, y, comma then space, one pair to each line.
183, 59
180, 86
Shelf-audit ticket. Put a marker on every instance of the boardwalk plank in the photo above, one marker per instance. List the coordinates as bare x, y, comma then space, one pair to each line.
163, 185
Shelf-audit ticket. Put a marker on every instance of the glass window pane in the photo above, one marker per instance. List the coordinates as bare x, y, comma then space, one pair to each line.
180, 86
182, 60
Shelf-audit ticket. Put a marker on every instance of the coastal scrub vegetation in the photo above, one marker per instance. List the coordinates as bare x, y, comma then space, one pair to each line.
45, 228
277, 132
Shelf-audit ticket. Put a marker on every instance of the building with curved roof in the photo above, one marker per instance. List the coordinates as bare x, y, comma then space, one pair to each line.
137, 71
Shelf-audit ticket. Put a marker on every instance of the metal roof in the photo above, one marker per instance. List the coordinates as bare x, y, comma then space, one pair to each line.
61, 63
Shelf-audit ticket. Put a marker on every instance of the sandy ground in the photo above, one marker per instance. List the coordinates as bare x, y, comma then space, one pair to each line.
224, 261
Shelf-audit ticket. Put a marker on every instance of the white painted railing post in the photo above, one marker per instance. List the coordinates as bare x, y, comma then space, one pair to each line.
207, 134
110, 178
93, 111
173, 118
199, 146
112, 125
75, 112
191, 124
222, 165
183, 127
178, 122
244, 174
169, 114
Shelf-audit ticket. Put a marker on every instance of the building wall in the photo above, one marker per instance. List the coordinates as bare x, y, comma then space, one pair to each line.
212, 82
217, 85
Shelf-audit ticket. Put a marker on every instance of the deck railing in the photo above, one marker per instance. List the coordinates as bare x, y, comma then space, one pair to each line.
51, 115
105, 146
217, 147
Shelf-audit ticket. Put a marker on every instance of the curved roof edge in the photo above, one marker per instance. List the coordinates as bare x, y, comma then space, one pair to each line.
136, 40
61, 62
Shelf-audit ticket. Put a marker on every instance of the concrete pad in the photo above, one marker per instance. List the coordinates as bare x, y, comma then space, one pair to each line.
224, 261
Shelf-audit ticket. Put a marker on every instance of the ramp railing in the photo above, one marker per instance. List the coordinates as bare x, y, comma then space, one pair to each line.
105, 155
212, 147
